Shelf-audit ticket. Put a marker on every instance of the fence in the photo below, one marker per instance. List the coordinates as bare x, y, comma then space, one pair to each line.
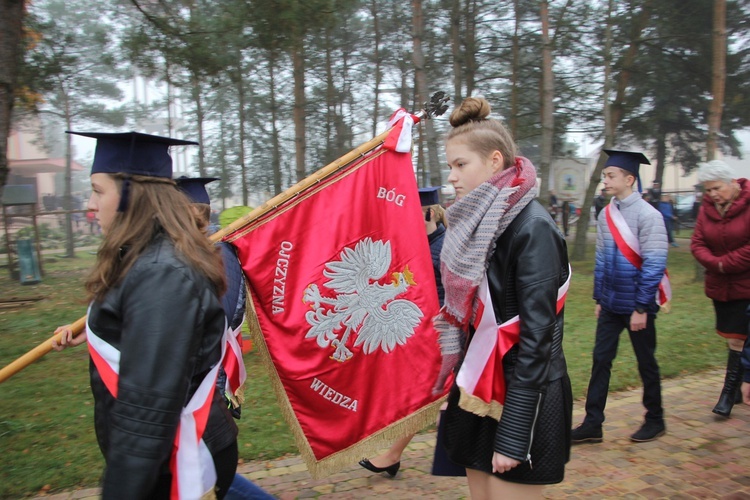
46, 229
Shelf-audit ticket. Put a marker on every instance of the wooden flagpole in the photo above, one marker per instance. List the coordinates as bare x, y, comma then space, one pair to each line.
37, 352
437, 105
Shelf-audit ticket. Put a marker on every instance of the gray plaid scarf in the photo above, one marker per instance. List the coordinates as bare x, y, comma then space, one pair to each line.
475, 222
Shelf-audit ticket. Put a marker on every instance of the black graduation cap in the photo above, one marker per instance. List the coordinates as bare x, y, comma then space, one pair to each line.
627, 160
195, 188
132, 153
429, 196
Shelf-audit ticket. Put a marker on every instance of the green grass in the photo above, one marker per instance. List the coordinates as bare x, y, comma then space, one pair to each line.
686, 336
46, 412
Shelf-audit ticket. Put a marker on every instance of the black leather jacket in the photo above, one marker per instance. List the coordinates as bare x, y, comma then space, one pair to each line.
167, 323
528, 267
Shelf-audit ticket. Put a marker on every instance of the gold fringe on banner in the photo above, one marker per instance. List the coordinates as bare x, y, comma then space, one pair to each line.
423, 417
475, 405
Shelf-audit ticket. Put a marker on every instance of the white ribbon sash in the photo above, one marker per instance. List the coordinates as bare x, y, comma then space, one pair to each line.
192, 466
630, 248
232, 362
481, 379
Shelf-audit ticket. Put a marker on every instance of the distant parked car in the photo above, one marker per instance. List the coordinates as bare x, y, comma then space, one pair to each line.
684, 206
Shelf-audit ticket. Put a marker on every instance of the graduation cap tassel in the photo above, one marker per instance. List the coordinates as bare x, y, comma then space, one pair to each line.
124, 195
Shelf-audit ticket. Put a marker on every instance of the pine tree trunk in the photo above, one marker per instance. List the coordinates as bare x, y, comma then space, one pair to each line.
298, 59
69, 244
470, 50
547, 107
241, 102
275, 146
718, 76
199, 118
11, 24
514, 71
612, 115
420, 85
378, 65
455, 37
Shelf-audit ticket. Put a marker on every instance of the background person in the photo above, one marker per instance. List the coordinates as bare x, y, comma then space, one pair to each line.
93, 225
566, 216
626, 295
721, 244
600, 202
496, 229
155, 326
553, 206
233, 303
666, 209
654, 194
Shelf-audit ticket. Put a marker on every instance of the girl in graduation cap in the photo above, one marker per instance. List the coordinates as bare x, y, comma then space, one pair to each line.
155, 330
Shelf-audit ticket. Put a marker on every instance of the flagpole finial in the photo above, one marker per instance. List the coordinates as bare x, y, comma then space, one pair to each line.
436, 106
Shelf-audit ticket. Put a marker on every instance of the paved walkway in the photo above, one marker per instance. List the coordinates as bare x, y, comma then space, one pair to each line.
701, 457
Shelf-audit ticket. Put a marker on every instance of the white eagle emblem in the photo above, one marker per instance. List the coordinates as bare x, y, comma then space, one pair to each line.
361, 304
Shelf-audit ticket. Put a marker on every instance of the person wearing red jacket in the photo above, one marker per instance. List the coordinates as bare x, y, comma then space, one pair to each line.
721, 244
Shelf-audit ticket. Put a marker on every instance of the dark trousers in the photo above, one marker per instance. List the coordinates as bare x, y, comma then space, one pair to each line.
608, 331
669, 225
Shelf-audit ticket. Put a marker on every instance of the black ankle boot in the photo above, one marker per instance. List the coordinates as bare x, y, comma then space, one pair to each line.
731, 383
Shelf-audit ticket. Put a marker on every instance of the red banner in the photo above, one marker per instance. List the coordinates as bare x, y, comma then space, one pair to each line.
341, 282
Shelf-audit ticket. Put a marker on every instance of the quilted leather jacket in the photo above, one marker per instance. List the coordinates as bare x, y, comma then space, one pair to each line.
528, 267
167, 323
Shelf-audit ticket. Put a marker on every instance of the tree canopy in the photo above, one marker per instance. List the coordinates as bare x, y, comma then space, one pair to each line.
274, 89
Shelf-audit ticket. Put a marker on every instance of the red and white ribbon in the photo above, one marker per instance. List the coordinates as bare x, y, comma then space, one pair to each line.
399, 139
191, 464
232, 362
481, 378
630, 248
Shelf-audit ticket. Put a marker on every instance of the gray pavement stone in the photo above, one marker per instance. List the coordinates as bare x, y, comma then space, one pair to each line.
701, 457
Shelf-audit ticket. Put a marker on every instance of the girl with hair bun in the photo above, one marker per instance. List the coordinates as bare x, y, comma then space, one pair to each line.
503, 263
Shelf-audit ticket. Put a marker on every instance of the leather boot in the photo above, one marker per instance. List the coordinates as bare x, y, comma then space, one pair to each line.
731, 383
738, 396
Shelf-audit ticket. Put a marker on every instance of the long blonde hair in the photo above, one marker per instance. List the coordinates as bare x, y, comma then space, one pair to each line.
154, 206
483, 135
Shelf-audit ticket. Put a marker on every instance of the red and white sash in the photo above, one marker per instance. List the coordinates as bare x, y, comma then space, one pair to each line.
481, 380
191, 463
232, 361
630, 248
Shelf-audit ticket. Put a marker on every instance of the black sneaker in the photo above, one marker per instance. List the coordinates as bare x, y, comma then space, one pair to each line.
649, 431
586, 433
